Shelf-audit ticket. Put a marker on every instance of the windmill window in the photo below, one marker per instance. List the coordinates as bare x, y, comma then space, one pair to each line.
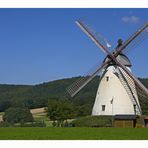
134, 108
107, 78
103, 107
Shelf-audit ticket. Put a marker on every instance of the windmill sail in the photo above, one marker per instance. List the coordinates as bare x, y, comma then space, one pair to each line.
137, 41
130, 88
77, 86
122, 47
83, 81
137, 82
132, 38
140, 93
87, 29
117, 91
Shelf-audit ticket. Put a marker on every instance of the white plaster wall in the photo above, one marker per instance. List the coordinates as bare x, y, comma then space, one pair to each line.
112, 89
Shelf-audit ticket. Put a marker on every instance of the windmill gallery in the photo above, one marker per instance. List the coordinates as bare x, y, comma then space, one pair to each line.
118, 91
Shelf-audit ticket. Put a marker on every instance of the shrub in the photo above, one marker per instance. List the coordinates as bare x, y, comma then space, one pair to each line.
30, 124
17, 115
66, 124
5, 124
93, 121
34, 124
54, 123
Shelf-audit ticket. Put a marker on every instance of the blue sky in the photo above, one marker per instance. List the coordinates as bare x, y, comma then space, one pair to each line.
41, 45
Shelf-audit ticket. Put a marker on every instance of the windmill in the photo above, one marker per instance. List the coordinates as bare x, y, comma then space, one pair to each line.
118, 88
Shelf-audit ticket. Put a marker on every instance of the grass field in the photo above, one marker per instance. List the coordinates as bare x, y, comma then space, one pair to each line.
49, 133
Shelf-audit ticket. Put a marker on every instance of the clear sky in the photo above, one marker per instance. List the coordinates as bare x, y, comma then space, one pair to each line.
41, 45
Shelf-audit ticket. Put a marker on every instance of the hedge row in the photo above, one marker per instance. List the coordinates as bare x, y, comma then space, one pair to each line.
93, 121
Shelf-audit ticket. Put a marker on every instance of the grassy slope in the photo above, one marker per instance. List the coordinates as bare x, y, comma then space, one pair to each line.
74, 133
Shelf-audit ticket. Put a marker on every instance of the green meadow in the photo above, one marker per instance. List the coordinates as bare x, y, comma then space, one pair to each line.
48, 133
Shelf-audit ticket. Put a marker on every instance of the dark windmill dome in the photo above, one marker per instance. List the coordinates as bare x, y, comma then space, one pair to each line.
124, 60
121, 58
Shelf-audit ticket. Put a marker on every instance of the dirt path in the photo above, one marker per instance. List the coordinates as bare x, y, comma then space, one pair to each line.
37, 110
1, 118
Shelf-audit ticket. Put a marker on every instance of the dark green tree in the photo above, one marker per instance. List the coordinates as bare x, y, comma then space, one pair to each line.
4, 104
17, 115
60, 110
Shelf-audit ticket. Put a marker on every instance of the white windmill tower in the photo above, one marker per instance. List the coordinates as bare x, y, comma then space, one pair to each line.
117, 91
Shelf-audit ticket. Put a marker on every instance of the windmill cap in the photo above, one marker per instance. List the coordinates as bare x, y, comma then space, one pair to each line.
122, 58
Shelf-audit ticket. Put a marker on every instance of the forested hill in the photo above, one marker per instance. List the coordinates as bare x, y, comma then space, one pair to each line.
34, 96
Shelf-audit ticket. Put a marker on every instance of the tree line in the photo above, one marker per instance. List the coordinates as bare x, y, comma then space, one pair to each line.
42, 95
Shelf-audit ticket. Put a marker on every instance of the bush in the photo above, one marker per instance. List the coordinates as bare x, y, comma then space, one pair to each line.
93, 121
54, 123
34, 124
17, 115
5, 124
